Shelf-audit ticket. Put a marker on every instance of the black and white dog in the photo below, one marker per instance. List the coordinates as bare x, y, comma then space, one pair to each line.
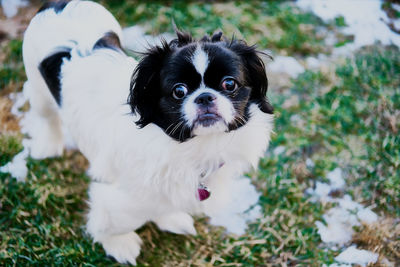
160, 134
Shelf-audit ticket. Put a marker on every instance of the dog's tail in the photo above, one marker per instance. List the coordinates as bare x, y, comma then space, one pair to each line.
61, 29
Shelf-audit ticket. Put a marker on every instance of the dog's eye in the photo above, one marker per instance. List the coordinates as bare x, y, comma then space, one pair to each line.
229, 84
180, 90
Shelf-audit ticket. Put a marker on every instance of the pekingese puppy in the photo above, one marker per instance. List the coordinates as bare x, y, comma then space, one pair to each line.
160, 134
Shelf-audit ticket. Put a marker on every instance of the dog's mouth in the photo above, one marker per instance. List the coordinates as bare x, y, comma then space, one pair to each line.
207, 119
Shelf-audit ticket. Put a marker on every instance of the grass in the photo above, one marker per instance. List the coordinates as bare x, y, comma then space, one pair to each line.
344, 116
12, 70
276, 25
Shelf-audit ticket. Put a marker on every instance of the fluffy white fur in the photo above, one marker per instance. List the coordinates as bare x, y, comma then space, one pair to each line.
139, 175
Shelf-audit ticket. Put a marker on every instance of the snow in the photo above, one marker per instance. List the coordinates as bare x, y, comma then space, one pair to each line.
339, 220
310, 163
10, 7
241, 210
352, 255
396, 7
336, 179
339, 226
279, 150
364, 19
19, 100
288, 65
322, 190
367, 216
17, 167
312, 63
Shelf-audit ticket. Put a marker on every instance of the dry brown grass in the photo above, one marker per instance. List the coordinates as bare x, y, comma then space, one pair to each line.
382, 237
8, 122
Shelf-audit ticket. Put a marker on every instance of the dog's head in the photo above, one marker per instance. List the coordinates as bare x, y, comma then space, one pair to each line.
191, 88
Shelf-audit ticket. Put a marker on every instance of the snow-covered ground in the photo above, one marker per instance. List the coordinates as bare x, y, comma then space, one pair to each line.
365, 20
337, 231
10, 7
368, 23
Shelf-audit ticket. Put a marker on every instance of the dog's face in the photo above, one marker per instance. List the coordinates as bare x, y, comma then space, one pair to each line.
193, 88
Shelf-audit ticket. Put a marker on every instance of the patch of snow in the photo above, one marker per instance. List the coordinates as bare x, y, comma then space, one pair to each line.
336, 179
310, 163
339, 220
367, 216
279, 150
347, 203
17, 167
322, 191
396, 23
339, 226
135, 39
364, 19
396, 7
19, 100
243, 208
312, 63
288, 65
352, 255
10, 7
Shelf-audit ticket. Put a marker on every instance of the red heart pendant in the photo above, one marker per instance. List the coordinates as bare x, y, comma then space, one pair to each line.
203, 192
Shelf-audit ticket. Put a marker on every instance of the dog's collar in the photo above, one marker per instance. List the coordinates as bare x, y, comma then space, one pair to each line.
203, 192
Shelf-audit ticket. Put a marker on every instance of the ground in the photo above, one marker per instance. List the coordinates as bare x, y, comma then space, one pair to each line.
342, 113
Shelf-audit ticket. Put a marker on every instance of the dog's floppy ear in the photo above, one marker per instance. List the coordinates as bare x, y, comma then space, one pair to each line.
145, 91
255, 74
145, 84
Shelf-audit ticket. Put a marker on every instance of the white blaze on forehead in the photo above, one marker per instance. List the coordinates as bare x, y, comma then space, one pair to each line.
200, 60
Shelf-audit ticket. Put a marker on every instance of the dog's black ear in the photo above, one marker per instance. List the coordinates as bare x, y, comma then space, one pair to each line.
216, 37
183, 38
145, 91
255, 74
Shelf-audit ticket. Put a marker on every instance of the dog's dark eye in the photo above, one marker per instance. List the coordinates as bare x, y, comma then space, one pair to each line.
229, 84
180, 90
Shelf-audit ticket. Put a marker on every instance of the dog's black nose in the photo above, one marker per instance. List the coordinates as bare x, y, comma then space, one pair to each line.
205, 99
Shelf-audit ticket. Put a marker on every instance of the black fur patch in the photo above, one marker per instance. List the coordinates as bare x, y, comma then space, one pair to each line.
58, 6
109, 40
50, 69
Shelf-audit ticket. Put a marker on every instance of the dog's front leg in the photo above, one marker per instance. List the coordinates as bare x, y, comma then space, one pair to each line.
112, 219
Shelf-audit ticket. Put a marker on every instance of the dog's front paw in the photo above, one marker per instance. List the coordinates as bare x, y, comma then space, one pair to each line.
124, 248
178, 223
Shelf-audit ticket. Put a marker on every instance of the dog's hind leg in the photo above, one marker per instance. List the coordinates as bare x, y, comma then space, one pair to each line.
42, 123
112, 219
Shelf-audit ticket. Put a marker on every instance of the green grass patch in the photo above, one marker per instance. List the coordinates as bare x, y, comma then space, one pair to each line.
352, 122
12, 70
10, 145
274, 25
